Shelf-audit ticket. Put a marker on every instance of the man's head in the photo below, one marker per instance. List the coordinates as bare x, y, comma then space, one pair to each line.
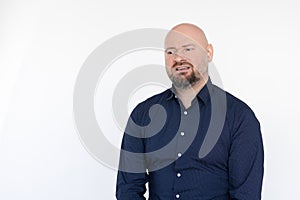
187, 54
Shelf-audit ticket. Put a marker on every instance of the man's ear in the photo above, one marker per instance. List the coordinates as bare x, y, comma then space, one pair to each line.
210, 52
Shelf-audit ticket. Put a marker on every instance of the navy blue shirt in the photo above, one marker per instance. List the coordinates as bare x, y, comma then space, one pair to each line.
211, 150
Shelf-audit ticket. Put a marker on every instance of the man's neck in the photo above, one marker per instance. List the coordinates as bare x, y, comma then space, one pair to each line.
186, 95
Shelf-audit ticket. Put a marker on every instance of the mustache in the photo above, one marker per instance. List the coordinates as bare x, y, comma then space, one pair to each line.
181, 63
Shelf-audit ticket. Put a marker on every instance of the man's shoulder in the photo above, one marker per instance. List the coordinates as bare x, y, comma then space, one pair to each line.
234, 104
162, 96
240, 116
237, 107
155, 99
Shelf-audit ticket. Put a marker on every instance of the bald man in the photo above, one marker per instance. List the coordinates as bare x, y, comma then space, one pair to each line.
200, 143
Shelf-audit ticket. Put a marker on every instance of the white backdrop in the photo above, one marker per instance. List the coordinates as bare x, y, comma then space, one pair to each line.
43, 45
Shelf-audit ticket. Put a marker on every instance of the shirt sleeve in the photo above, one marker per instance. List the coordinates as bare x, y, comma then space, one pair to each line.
132, 176
246, 158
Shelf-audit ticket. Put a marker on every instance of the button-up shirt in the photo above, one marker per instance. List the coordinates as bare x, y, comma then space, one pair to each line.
186, 154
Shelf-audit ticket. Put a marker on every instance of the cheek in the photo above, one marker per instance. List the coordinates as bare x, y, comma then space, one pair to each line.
201, 61
168, 62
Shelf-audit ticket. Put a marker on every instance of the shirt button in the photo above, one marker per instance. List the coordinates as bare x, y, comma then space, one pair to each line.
176, 96
177, 196
178, 175
179, 154
182, 133
185, 112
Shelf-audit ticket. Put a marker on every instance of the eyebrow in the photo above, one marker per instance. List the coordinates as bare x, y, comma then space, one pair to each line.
186, 45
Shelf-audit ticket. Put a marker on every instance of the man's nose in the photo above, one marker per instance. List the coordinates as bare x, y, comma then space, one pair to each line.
178, 57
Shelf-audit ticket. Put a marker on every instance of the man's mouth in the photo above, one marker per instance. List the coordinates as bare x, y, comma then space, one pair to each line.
181, 69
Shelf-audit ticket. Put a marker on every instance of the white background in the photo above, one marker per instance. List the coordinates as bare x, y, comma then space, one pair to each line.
43, 45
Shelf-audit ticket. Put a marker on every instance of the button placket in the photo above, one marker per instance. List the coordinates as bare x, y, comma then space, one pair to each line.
186, 134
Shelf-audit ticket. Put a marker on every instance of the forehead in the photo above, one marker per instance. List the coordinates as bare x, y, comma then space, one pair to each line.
176, 39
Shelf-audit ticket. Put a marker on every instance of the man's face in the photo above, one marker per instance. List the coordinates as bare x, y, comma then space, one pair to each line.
186, 60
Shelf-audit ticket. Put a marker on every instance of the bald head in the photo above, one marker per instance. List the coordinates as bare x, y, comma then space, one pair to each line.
189, 31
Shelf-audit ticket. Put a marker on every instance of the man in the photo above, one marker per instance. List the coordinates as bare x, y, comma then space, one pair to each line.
193, 141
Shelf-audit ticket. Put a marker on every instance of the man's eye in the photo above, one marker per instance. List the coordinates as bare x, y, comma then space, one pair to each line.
170, 52
189, 49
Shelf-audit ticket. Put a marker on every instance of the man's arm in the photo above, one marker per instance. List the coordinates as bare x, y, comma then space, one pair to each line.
132, 175
131, 185
246, 159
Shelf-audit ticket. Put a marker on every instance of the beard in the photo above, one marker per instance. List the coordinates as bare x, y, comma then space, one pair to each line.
185, 81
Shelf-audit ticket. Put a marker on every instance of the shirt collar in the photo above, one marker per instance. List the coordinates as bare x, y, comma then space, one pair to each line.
203, 94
